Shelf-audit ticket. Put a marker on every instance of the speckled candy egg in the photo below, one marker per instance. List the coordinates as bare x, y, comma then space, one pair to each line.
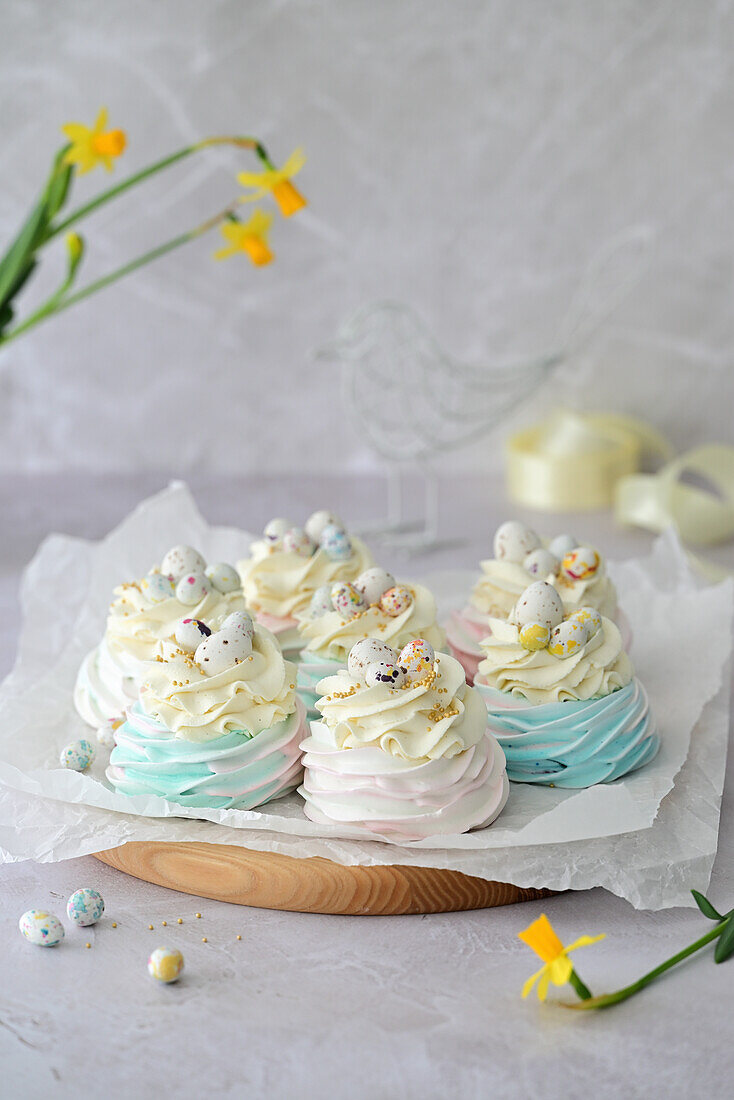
396, 600
180, 560
321, 602
534, 636
190, 632
192, 588
347, 600
275, 529
224, 577
562, 545
85, 907
539, 603
368, 651
417, 658
580, 564
77, 756
106, 733
165, 964
222, 650
384, 672
240, 620
156, 587
373, 582
590, 617
540, 562
41, 928
568, 638
513, 541
335, 543
316, 523
296, 541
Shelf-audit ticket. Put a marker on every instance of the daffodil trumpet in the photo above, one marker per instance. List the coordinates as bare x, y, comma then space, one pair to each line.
557, 967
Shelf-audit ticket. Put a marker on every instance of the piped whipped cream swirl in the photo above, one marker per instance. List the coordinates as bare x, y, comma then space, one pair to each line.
502, 582
597, 668
281, 582
248, 697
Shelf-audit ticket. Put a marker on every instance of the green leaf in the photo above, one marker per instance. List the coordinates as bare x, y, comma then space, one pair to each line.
59, 184
725, 946
705, 906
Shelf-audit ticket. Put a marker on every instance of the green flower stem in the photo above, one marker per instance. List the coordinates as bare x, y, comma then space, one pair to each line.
608, 999
152, 170
583, 990
57, 303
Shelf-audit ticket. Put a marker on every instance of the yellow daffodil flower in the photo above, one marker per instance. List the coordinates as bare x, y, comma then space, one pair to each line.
250, 238
276, 181
90, 147
557, 966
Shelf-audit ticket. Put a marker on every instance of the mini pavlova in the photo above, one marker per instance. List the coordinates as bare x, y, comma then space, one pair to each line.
402, 750
561, 694
288, 564
374, 605
144, 613
218, 723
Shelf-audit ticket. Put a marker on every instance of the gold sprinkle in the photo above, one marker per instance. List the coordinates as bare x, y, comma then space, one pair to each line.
114, 924
198, 916
239, 937
164, 923
204, 939
87, 945
179, 921
150, 926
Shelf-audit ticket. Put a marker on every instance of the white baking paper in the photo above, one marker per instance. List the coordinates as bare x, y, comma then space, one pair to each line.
638, 837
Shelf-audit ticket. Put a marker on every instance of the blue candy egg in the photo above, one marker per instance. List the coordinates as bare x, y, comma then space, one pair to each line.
335, 543
77, 756
85, 907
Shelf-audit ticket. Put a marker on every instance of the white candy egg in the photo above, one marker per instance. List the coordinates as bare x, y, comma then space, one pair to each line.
590, 617
85, 907
165, 964
316, 523
513, 541
562, 545
180, 560
77, 756
224, 577
335, 543
534, 636
41, 928
539, 603
417, 658
568, 638
106, 733
369, 651
239, 620
321, 602
580, 564
296, 541
190, 632
157, 587
276, 528
192, 588
347, 600
540, 562
396, 600
384, 672
222, 650
372, 583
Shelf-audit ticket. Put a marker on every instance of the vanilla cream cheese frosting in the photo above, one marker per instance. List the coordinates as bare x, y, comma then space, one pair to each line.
329, 636
502, 582
596, 669
248, 697
281, 583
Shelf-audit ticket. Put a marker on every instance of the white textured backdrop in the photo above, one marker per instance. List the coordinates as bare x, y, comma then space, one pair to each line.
468, 157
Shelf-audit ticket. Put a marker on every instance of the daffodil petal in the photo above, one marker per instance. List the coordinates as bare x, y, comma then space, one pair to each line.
527, 987
541, 937
585, 941
543, 985
101, 120
559, 970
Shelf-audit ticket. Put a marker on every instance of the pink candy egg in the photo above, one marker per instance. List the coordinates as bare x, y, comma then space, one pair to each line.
396, 600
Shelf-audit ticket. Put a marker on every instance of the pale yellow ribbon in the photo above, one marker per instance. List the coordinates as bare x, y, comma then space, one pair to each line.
578, 462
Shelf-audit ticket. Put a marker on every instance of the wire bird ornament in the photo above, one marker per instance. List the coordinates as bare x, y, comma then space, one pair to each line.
411, 401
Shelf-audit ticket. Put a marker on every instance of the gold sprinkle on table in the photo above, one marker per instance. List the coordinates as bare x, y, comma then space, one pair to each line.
164, 923
239, 937
180, 920
114, 924
198, 916
150, 926
204, 939
87, 945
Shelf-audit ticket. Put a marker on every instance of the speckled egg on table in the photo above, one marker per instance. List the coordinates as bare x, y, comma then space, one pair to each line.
417, 658
384, 672
77, 756
182, 559
224, 577
347, 600
368, 651
568, 638
192, 588
580, 564
539, 603
41, 928
513, 541
373, 582
165, 964
296, 541
157, 587
106, 733
85, 907
396, 600
317, 521
335, 543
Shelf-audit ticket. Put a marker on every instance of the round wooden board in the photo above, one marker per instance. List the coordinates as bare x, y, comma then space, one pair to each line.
271, 881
